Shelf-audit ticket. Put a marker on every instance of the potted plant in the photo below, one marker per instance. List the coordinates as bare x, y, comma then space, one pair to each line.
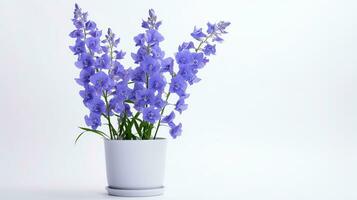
135, 102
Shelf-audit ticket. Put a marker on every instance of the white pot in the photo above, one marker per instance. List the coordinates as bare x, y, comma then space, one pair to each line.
135, 167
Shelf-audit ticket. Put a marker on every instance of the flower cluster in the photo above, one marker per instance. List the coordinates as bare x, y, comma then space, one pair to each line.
101, 72
137, 97
148, 78
190, 59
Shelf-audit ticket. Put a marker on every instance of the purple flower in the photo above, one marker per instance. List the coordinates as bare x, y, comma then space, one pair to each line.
216, 30
88, 94
76, 34
93, 44
93, 120
211, 28
96, 105
122, 90
116, 104
77, 11
151, 114
168, 118
167, 65
157, 52
140, 54
178, 85
185, 71
78, 23
186, 45
145, 24
209, 49
110, 39
151, 22
152, 14
144, 97
194, 79
101, 80
125, 74
175, 130
198, 34
80, 18
119, 54
105, 49
150, 65
138, 75
184, 57
118, 72
198, 60
96, 33
102, 62
153, 37
138, 86
180, 105
139, 39
78, 48
189, 74
217, 39
84, 61
84, 76
158, 102
157, 82
221, 26
90, 25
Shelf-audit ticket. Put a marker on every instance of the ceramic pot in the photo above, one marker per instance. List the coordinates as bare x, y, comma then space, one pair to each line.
135, 167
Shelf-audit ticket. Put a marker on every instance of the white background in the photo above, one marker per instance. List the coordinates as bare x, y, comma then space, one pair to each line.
275, 116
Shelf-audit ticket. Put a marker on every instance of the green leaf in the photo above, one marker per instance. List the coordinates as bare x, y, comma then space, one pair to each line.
138, 130
142, 124
86, 130
129, 125
119, 120
113, 129
122, 124
129, 101
95, 131
75, 142
147, 130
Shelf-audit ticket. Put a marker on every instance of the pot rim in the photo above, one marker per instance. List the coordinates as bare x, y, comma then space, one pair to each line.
158, 139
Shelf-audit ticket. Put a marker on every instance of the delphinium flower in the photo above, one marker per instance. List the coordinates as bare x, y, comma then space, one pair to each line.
102, 75
149, 75
190, 59
85, 62
137, 97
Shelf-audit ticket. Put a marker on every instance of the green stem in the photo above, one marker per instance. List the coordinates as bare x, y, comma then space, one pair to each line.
162, 112
108, 116
134, 118
203, 41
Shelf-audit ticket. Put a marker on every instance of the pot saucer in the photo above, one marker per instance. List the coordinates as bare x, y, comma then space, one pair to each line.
135, 192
